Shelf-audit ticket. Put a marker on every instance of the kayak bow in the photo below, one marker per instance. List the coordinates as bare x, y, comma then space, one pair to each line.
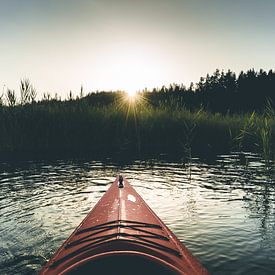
122, 235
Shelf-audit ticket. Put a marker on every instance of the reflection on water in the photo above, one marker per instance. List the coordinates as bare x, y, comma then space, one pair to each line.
224, 212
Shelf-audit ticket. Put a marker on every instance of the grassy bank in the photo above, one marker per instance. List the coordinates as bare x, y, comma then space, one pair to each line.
84, 127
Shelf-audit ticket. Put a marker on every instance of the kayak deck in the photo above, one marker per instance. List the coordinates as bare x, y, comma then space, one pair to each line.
123, 265
122, 233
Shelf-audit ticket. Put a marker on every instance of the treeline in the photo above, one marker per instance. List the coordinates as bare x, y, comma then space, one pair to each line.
223, 92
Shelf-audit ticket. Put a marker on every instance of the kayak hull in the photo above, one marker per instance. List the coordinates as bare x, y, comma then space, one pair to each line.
122, 234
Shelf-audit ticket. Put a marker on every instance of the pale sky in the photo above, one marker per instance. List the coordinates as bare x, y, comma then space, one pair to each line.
128, 44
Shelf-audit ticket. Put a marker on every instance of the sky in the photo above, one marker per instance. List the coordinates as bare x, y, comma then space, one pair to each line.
130, 44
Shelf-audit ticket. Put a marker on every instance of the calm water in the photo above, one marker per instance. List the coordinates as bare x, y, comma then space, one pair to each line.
223, 212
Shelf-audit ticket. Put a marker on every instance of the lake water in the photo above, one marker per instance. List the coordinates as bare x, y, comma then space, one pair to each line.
223, 211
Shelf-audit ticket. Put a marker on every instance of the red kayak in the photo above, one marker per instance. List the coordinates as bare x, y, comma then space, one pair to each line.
122, 235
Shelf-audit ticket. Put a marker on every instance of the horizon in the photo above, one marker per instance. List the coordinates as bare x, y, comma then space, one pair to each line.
107, 46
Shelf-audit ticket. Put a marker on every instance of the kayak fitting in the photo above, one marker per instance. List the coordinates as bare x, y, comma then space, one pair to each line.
120, 180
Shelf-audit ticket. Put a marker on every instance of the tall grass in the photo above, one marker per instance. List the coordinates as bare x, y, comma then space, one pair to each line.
108, 123
257, 134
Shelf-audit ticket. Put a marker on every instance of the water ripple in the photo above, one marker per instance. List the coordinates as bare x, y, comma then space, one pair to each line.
223, 211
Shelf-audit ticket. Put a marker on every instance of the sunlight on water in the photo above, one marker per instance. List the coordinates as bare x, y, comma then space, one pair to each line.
223, 212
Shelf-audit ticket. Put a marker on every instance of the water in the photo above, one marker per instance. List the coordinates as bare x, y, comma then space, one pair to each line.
224, 212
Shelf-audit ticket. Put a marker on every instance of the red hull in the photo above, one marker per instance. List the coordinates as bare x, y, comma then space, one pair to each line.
122, 230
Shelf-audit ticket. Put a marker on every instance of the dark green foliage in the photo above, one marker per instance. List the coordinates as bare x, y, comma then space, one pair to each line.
223, 92
208, 118
87, 126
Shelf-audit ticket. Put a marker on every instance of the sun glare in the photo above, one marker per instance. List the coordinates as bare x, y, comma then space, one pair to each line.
131, 94
132, 97
129, 68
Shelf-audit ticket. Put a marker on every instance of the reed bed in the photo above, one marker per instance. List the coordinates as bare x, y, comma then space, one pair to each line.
110, 124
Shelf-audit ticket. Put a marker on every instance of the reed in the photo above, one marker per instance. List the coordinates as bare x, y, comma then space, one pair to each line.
108, 123
266, 134
265, 137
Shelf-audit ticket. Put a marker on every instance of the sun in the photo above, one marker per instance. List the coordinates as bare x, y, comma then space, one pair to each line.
132, 97
131, 94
